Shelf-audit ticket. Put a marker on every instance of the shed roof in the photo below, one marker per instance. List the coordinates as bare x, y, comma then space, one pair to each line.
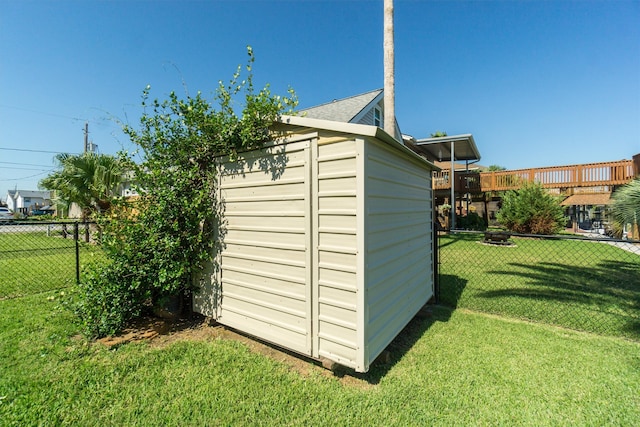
354, 129
343, 110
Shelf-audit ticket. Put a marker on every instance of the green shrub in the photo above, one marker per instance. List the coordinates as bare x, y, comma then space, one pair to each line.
531, 210
471, 221
158, 247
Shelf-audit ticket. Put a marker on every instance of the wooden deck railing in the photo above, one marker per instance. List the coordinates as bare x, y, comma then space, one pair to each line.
604, 174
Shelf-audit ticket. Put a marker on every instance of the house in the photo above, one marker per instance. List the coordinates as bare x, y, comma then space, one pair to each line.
366, 109
326, 236
25, 201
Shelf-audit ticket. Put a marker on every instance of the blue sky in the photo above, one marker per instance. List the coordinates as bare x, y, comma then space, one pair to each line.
538, 83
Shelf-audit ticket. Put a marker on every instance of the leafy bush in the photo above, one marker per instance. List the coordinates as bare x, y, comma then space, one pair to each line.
471, 221
158, 247
531, 210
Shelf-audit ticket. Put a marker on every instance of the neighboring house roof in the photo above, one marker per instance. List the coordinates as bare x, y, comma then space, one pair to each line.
34, 194
357, 109
343, 110
459, 166
440, 148
587, 199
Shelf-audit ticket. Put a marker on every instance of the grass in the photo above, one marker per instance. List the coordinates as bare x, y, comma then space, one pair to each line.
584, 285
32, 262
457, 368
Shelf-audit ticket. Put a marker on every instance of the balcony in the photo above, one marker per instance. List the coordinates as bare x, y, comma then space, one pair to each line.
599, 177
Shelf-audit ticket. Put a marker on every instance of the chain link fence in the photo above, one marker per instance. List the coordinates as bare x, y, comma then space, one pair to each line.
43, 256
588, 284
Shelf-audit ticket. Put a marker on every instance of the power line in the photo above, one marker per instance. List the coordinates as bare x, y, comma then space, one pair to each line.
24, 177
35, 151
27, 169
42, 112
24, 164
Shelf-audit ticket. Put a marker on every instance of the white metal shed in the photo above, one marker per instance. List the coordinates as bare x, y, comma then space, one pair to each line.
326, 241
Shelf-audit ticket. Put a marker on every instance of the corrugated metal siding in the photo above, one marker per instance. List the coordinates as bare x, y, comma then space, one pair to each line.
335, 236
265, 258
398, 244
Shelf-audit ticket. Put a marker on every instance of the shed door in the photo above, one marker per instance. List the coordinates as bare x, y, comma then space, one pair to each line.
266, 255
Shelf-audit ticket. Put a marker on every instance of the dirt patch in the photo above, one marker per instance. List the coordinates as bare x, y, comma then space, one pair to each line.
159, 333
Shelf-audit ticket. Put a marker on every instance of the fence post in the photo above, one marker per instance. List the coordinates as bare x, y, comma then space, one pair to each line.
436, 279
75, 237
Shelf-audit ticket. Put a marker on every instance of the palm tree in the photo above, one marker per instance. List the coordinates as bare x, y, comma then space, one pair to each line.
90, 180
626, 204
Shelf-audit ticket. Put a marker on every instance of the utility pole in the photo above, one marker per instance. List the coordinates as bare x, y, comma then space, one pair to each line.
86, 136
389, 71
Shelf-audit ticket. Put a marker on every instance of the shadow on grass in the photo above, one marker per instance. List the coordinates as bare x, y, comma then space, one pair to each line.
401, 344
607, 292
451, 289
448, 239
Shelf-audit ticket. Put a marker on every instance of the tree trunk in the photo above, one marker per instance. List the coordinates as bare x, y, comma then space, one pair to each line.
389, 71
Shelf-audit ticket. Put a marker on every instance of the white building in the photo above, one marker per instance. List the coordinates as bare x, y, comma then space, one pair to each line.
25, 200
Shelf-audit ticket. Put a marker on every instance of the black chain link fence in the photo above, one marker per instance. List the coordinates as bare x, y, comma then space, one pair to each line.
43, 256
588, 284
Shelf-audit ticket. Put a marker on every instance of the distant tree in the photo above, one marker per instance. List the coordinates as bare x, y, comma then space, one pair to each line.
438, 134
531, 210
493, 168
90, 180
626, 204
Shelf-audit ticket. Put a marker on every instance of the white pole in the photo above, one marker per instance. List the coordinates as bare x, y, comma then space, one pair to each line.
453, 192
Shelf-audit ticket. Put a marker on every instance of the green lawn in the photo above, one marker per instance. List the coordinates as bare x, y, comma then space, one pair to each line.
457, 368
32, 262
590, 286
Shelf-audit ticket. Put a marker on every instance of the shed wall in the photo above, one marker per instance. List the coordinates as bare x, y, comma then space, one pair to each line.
336, 237
265, 257
326, 246
398, 247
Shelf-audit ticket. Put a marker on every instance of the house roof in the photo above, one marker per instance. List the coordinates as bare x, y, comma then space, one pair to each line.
32, 193
440, 148
459, 166
343, 110
587, 199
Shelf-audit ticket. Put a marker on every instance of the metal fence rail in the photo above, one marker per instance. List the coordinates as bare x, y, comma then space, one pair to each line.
42, 256
588, 284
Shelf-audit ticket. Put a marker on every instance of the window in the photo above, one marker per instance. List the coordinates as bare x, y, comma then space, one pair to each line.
377, 117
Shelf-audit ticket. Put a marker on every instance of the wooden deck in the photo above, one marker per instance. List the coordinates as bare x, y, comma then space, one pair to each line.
596, 177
